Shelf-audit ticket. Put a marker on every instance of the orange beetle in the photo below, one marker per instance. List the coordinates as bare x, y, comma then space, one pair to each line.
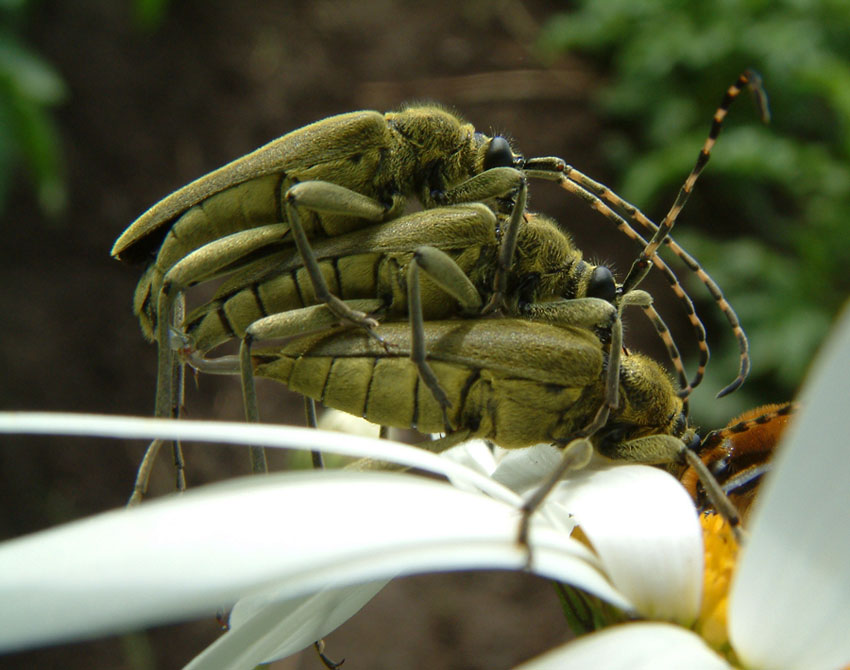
739, 454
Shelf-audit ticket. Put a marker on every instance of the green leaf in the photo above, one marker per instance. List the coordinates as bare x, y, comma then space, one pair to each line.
28, 75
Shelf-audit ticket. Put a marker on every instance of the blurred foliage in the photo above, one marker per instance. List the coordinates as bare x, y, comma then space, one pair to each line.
773, 200
149, 13
29, 87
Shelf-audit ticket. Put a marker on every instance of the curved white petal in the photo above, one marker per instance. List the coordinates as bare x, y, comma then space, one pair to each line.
522, 470
645, 529
187, 555
241, 434
475, 455
264, 630
632, 646
790, 602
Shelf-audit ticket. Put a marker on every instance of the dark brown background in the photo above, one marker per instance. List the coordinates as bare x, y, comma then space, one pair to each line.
151, 110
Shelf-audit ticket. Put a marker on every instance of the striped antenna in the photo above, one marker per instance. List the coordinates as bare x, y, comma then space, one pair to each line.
648, 256
672, 352
579, 188
747, 79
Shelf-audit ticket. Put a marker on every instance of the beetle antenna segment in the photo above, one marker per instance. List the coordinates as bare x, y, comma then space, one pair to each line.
592, 193
661, 234
747, 79
672, 352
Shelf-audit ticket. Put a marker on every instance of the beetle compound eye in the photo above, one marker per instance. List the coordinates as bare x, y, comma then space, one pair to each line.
602, 284
498, 154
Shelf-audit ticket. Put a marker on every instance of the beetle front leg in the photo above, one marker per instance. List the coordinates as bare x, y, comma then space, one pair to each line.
578, 451
576, 455
506, 252
494, 183
667, 449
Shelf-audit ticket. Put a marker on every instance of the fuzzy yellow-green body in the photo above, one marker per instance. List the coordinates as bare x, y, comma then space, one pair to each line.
373, 263
512, 381
417, 152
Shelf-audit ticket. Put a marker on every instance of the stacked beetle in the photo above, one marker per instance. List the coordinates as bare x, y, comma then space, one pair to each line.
483, 310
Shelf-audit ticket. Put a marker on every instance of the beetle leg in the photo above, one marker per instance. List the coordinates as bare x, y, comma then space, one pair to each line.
284, 324
497, 182
443, 271
591, 313
506, 252
296, 322
202, 264
320, 286
417, 344
576, 456
329, 198
447, 274
312, 422
662, 449
598, 315
143, 474
578, 451
319, 646
172, 385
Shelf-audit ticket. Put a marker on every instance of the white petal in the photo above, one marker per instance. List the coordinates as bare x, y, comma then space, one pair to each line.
187, 555
633, 646
790, 603
645, 529
242, 434
522, 470
263, 630
474, 454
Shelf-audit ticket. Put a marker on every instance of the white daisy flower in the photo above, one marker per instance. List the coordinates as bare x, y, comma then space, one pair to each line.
789, 592
263, 544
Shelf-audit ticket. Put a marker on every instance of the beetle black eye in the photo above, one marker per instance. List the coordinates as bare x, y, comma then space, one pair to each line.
498, 154
602, 284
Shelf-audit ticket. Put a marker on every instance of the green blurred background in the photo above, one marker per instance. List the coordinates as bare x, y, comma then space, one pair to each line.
769, 217
107, 106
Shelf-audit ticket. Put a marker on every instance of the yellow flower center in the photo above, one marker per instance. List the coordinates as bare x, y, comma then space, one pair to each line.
721, 552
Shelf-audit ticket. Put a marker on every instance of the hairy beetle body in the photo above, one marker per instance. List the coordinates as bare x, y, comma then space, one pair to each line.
512, 381
421, 152
373, 263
